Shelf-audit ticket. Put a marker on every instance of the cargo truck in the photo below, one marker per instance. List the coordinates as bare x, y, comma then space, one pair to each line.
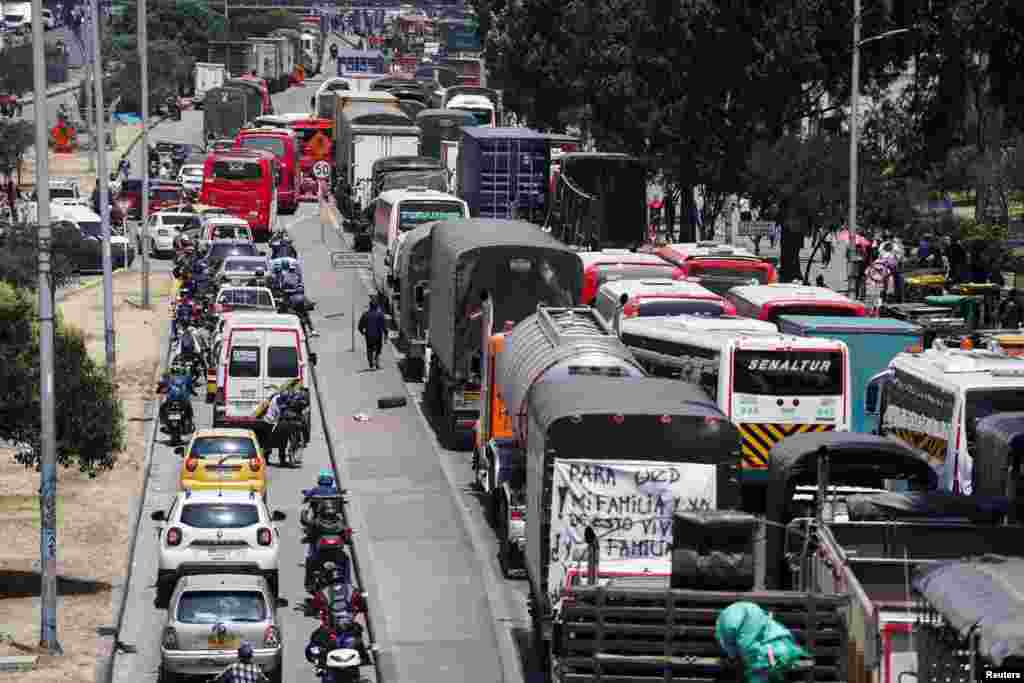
207, 77
552, 344
235, 55
633, 475
267, 54
503, 172
518, 266
291, 53
225, 112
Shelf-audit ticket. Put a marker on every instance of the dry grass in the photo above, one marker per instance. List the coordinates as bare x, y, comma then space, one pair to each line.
94, 514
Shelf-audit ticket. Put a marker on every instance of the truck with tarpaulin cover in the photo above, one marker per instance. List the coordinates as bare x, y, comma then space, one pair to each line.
967, 626
518, 266
400, 172
291, 54
410, 300
600, 201
503, 173
235, 55
255, 104
225, 112
653, 516
441, 133
858, 514
554, 344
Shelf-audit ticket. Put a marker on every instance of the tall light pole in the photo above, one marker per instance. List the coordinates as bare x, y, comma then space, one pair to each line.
48, 417
144, 111
102, 180
853, 257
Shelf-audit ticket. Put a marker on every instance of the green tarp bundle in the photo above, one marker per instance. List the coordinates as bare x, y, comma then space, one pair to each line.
766, 647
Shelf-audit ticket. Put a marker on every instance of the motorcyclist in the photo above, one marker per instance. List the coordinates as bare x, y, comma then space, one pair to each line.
177, 384
288, 281
242, 671
281, 246
325, 486
190, 348
291, 399
183, 314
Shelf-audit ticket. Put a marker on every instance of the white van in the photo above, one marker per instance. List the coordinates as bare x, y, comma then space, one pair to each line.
932, 401
396, 212
259, 353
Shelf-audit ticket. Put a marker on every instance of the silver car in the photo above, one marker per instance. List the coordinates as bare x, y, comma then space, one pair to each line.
209, 616
243, 268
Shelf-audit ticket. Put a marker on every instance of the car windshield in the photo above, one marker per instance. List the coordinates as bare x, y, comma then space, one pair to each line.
220, 446
175, 220
220, 515
212, 607
271, 144
248, 265
91, 228
229, 232
220, 251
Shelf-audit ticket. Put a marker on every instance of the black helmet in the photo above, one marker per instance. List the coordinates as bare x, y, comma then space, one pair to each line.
245, 652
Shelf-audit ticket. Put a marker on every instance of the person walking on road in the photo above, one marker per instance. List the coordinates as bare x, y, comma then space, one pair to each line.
372, 325
826, 252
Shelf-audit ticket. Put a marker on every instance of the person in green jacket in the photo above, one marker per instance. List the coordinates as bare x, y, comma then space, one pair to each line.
766, 647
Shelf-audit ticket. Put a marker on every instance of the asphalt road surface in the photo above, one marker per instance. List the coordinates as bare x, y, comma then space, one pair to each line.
439, 607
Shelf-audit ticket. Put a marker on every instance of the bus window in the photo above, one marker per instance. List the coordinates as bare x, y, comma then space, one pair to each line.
788, 373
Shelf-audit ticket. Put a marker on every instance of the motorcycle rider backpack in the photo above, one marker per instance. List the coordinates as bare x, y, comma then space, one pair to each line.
290, 280
188, 344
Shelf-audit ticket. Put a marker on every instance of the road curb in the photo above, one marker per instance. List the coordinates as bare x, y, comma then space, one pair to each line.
511, 665
110, 644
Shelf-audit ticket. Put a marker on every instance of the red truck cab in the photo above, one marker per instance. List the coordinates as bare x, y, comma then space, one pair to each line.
245, 183
284, 145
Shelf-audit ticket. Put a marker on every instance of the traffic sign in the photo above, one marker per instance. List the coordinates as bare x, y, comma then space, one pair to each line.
322, 170
755, 228
350, 260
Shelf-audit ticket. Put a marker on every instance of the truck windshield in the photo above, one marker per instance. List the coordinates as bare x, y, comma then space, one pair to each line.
483, 116
984, 402
788, 373
413, 213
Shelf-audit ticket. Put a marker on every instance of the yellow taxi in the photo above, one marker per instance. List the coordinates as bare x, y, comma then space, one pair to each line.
228, 459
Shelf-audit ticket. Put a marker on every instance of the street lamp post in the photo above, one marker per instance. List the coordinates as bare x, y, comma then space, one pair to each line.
853, 256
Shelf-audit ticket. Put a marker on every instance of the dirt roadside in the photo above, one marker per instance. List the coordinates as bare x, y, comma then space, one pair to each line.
93, 514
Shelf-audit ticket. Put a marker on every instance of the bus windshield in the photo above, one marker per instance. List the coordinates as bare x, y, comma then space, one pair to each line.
759, 272
811, 309
237, 170
788, 373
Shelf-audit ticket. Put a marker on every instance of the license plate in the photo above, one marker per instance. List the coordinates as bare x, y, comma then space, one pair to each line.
217, 556
225, 474
174, 417
248, 393
227, 642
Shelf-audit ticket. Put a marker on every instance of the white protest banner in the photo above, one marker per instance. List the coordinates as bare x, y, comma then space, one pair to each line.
629, 505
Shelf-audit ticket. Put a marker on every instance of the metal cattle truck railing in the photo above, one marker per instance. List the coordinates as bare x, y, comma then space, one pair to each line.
519, 266
859, 517
554, 344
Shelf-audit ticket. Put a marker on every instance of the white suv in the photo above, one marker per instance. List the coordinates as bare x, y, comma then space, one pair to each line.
217, 532
161, 229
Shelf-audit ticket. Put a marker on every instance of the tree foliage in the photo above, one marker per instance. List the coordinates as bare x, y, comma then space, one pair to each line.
16, 67
248, 23
16, 137
189, 24
90, 421
169, 70
19, 256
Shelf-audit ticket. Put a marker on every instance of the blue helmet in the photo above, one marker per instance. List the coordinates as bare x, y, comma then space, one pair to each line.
326, 478
245, 652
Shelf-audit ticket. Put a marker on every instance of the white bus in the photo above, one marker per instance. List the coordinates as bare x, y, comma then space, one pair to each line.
396, 212
769, 384
932, 401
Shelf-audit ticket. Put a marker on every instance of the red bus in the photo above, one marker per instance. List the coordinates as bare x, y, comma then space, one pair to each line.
719, 267
245, 183
316, 139
610, 265
768, 302
284, 144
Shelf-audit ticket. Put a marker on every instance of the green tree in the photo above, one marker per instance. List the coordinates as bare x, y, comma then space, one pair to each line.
190, 24
169, 71
19, 256
16, 136
90, 421
257, 23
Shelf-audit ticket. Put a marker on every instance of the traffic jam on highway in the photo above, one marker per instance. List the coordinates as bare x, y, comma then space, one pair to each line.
670, 444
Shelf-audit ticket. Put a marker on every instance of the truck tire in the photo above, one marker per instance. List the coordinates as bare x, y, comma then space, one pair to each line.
391, 402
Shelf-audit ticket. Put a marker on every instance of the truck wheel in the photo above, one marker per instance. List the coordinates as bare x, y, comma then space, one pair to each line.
504, 548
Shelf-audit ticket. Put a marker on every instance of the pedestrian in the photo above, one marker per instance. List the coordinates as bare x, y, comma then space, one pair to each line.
373, 325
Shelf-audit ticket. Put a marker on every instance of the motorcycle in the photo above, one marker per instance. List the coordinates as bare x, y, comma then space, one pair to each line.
291, 424
336, 650
325, 529
177, 420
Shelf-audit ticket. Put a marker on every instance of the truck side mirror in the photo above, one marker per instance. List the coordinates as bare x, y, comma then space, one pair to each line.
873, 392
313, 359
617, 323
179, 451
312, 102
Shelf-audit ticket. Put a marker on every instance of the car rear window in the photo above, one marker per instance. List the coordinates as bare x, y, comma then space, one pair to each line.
219, 515
245, 362
176, 220
212, 607
228, 232
237, 170
679, 306
244, 265
246, 297
221, 251
282, 361
209, 446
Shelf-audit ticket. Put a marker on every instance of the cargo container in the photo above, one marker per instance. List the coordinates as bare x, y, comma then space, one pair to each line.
503, 172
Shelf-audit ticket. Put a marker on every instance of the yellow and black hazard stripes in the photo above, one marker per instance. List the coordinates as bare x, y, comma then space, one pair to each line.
933, 446
758, 439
